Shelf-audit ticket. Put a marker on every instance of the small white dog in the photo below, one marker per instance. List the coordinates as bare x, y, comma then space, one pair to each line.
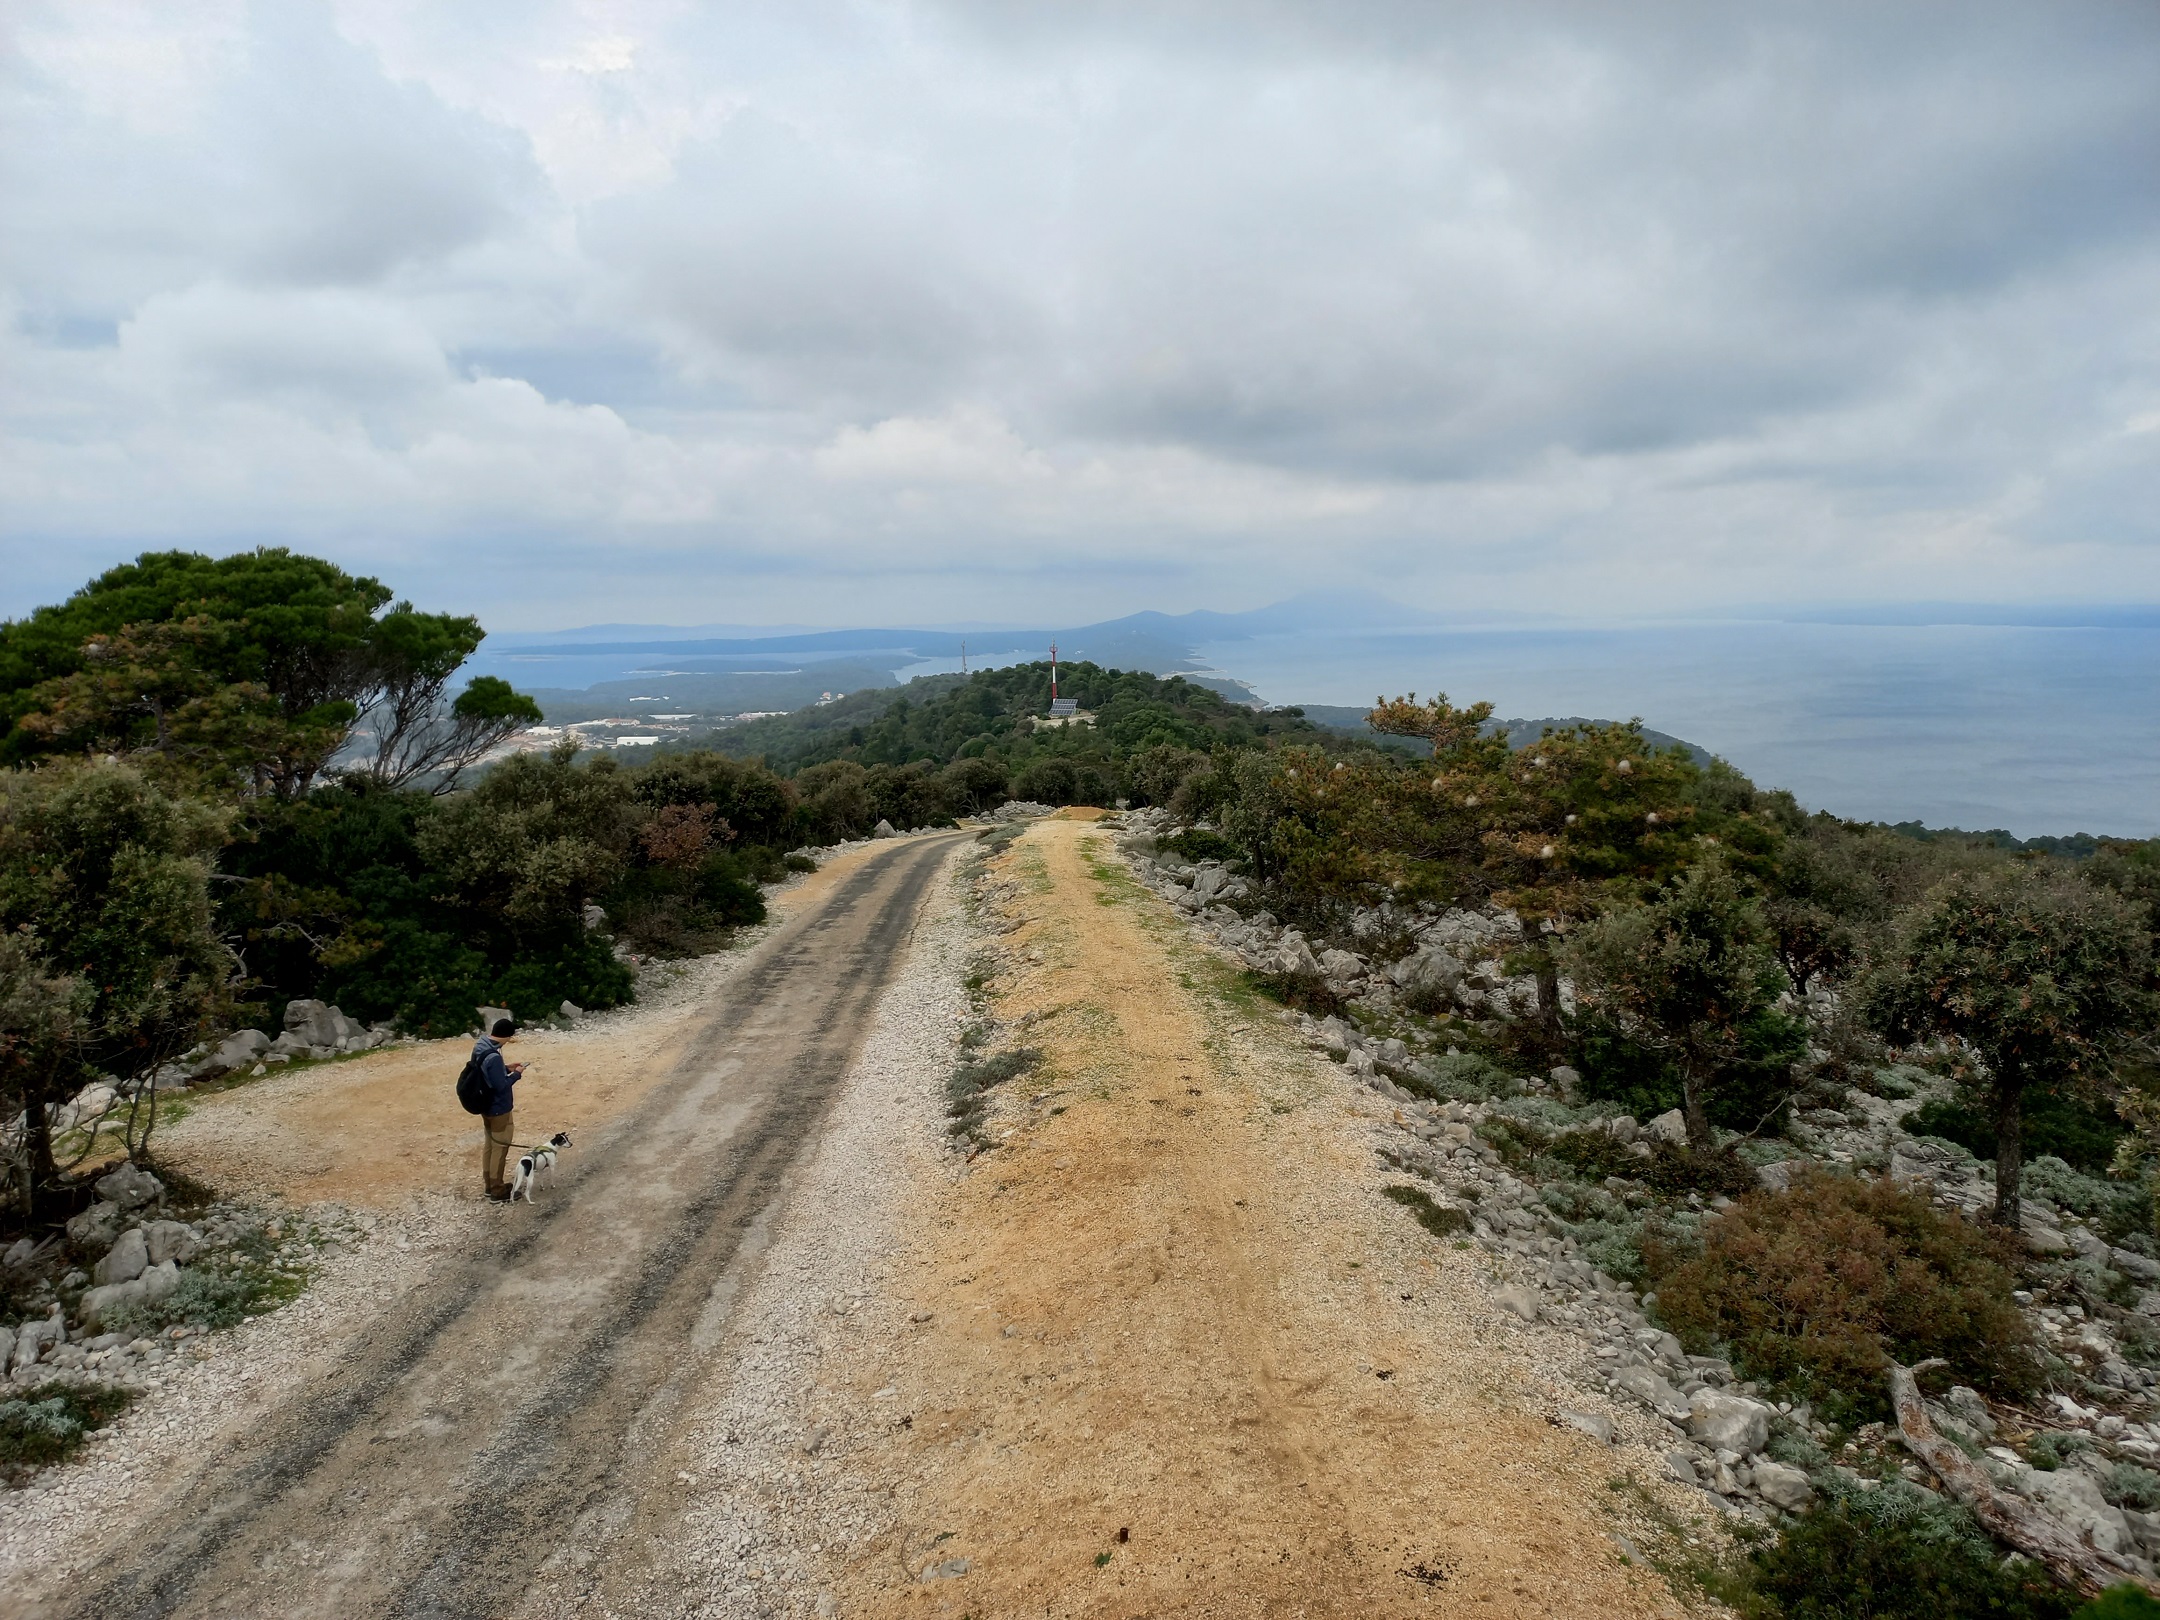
539, 1159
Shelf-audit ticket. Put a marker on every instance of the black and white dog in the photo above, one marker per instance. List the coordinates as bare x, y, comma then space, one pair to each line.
539, 1159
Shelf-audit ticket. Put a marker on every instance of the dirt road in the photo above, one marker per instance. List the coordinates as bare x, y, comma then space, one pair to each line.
1175, 1355
495, 1426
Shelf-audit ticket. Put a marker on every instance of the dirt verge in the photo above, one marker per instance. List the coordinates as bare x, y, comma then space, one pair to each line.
1167, 1350
375, 1131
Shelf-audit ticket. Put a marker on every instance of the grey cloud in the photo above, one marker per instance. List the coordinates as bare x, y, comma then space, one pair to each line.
302, 165
1232, 290
360, 175
802, 272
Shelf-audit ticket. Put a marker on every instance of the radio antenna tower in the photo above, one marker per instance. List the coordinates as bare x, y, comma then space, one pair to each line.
1053, 672
963, 658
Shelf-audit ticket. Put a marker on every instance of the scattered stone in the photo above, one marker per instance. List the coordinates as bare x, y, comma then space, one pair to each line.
1728, 1422
130, 1187
1971, 1410
128, 1258
1647, 1387
33, 1339
315, 1025
2074, 1496
1783, 1487
885, 829
949, 1568
170, 1240
1519, 1301
1669, 1127
2132, 1264
239, 1049
1595, 1424
95, 1228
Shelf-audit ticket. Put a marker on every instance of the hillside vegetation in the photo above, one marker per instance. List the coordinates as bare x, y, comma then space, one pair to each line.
231, 783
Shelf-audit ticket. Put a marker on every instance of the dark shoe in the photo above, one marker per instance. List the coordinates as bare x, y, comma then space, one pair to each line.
499, 1195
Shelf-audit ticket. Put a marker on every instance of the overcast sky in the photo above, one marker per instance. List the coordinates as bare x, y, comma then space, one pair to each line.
830, 313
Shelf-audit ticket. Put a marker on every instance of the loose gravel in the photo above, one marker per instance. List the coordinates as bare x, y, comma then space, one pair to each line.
773, 1510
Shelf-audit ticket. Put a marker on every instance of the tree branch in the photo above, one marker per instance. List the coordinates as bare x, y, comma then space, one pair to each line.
2011, 1518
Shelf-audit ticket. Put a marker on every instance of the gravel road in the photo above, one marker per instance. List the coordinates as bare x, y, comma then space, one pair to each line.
496, 1426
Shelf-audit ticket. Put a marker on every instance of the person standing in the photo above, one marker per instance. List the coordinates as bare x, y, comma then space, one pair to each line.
498, 1077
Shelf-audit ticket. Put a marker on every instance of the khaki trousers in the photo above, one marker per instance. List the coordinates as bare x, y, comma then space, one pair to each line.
496, 1153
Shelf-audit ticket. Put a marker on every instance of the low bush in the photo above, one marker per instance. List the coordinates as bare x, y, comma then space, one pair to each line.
1750, 1094
1199, 844
45, 1424
2052, 1448
1671, 1170
2121, 1208
2124, 1602
1460, 1077
250, 1275
2128, 1485
2063, 1127
670, 912
1308, 992
1816, 1288
1441, 1220
967, 1092
797, 861
1611, 1236
1891, 1553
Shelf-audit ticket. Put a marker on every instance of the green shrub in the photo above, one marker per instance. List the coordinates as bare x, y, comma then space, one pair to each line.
1308, 992
1817, 1287
1610, 1235
1441, 1220
1199, 844
45, 1424
2128, 1485
581, 968
1892, 1553
2120, 1207
967, 1092
1619, 1070
222, 1288
2053, 1448
797, 861
1671, 1171
1460, 1077
2124, 1602
2074, 1131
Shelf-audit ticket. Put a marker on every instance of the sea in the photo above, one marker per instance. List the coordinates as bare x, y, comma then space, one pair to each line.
2033, 730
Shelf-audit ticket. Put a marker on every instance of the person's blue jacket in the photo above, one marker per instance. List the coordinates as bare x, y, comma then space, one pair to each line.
495, 1075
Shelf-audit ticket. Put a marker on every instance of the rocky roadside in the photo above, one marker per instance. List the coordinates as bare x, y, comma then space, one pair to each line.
773, 1510
1460, 1128
329, 1270
164, 1310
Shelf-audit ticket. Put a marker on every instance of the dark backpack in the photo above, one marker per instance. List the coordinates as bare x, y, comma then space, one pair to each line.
472, 1087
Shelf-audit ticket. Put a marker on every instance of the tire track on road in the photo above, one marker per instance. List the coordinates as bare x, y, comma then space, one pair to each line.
496, 1407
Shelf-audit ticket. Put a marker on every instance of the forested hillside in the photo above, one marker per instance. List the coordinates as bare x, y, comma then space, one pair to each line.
242, 780
992, 714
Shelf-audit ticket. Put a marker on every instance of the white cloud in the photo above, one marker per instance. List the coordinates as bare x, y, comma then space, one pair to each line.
1202, 303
